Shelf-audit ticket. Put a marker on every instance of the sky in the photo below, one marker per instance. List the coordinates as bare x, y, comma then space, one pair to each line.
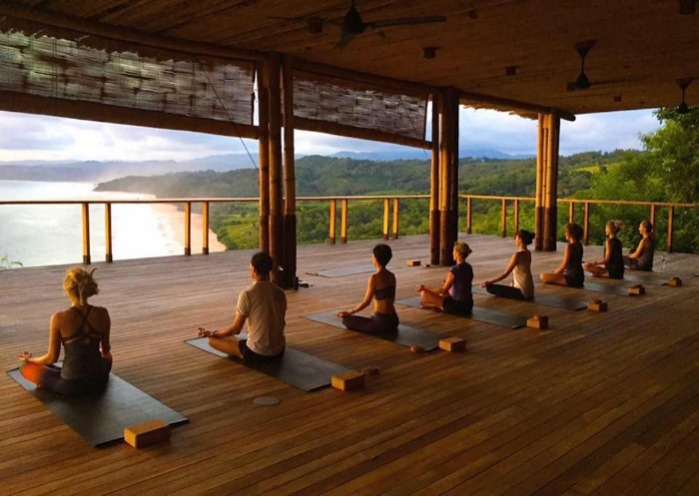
35, 137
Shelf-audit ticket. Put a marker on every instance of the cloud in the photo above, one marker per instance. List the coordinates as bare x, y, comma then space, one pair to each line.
35, 137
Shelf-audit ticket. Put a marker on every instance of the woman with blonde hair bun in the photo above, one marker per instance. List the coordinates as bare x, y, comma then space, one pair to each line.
612, 266
83, 330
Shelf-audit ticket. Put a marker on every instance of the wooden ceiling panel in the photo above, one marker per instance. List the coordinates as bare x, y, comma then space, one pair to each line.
642, 46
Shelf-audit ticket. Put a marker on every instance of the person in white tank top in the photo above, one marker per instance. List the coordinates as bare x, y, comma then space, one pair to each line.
522, 287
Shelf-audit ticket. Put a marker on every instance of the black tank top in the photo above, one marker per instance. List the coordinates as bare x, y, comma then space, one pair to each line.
83, 359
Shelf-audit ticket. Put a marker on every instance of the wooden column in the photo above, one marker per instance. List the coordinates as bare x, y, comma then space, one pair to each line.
670, 227
332, 230
540, 186
449, 168
188, 228
276, 199
503, 218
386, 217
108, 256
205, 228
396, 217
547, 180
343, 221
263, 153
289, 280
469, 215
434, 184
87, 258
571, 212
516, 216
586, 223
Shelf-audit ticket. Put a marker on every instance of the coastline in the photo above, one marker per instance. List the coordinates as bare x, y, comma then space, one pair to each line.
174, 221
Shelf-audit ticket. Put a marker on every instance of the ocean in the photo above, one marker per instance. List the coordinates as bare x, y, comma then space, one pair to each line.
39, 235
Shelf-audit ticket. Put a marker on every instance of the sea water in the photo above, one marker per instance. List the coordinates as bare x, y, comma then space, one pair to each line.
38, 235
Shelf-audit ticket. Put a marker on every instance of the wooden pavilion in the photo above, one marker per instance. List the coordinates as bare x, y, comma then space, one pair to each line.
196, 65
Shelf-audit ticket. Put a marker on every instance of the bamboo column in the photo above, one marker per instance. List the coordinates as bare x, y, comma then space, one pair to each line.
289, 280
188, 228
396, 217
434, 184
547, 182
108, 257
276, 226
87, 259
263, 153
343, 220
503, 218
449, 160
332, 224
386, 216
540, 185
205, 228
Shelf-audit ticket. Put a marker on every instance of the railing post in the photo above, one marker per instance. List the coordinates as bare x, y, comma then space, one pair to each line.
332, 223
571, 212
586, 223
108, 257
86, 233
386, 215
343, 221
653, 209
670, 222
188, 228
516, 215
469, 215
503, 219
396, 217
205, 228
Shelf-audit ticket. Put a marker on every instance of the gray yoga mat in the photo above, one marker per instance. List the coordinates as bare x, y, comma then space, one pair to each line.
101, 418
406, 335
297, 368
344, 271
489, 316
611, 288
547, 300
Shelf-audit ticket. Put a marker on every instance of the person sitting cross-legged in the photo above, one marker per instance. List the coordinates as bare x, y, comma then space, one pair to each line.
263, 306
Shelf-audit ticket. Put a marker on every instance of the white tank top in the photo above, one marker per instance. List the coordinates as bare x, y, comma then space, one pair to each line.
522, 276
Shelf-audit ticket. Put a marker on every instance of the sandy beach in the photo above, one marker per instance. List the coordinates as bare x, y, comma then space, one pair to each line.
174, 219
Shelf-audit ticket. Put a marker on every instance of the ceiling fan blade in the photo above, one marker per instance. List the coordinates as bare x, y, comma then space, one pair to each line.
405, 21
347, 36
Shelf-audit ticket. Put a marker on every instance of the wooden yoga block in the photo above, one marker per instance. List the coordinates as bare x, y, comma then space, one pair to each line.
453, 344
597, 306
637, 290
148, 433
413, 262
674, 281
540, 322
416, 349
371, 371
349, 380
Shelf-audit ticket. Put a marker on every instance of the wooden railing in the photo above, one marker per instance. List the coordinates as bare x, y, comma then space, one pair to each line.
391, 214
587, 204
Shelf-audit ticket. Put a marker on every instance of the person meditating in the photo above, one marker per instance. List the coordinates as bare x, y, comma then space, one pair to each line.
570, 272
612, 266
83, 330
382, 289
263, 306
642, 258
522, 287
455, 296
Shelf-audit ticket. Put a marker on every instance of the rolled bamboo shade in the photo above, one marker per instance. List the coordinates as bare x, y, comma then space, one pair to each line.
332, 100
68, 65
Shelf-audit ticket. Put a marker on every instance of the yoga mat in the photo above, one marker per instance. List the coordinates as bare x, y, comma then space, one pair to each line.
547, 300
101, 418
344, 271
648, 278
611, 289
406, 335
489, 316
296, 368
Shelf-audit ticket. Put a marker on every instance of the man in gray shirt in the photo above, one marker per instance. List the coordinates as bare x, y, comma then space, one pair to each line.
263, 306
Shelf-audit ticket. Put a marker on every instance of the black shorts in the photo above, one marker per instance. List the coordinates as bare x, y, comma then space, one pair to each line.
458, 307
251, 356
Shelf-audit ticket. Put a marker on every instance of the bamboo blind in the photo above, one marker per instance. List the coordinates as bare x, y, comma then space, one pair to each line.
331, 100
76, 67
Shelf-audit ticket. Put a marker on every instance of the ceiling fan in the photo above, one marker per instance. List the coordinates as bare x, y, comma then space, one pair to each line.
352, 24
582, 82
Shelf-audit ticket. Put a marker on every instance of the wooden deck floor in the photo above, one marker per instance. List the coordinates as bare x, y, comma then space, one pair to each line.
598, 404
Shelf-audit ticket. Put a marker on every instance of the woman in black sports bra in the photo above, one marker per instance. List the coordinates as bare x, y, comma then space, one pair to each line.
382, 290
84, 332
570, 272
